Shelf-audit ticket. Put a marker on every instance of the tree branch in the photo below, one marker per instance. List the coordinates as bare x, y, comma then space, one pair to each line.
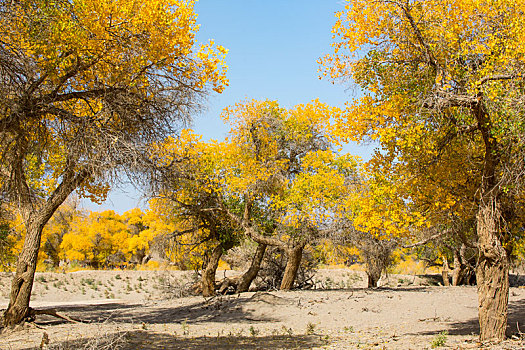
425, 241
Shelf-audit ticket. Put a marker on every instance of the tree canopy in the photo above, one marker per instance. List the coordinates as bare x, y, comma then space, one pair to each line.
87, 86
443, 90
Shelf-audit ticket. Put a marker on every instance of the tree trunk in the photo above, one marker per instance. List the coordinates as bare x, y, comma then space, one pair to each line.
373, 279
292, 266
249, 276
460, 267
444, 272
18, 308
492, 273
374, 266
210, 269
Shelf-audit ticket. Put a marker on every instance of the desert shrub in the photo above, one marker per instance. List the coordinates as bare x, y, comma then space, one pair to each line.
172, 286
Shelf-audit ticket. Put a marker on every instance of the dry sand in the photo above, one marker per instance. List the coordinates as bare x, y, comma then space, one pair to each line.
146, 310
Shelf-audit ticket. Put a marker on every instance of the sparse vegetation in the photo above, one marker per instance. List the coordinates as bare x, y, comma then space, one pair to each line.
310, 328
439, 340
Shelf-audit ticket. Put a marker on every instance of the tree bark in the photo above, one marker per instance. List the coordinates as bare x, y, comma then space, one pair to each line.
248, 277
210, 269
295, 255
492, 273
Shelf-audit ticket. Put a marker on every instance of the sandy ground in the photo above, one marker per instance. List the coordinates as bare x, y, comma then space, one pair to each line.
148, 310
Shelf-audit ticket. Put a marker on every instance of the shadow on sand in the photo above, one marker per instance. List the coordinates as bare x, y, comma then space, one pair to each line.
515, 324
152, 340
230, 309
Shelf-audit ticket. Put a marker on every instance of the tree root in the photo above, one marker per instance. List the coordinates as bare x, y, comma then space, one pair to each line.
52, 312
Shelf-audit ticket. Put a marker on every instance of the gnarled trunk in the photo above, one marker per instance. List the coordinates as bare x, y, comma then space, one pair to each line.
248, 277
210, 269
295, 255
492, 273
18, 308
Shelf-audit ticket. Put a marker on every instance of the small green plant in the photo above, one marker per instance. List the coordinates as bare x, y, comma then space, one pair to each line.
439, 340
41, 279
288, 331
117, 277
254, 331
310, 328
348, 329
185, 327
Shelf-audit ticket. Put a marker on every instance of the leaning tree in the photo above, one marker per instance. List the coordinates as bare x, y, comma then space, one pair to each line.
85, 87
445, 77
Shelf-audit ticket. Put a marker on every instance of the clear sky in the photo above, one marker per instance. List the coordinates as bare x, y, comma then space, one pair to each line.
273, 47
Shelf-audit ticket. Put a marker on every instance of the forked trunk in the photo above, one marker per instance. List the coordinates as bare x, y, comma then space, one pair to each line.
292, 266
18, 309
248, 277
210, 269
492, 273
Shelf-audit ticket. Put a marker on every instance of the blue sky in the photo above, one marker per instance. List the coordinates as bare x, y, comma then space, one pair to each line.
273, 47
